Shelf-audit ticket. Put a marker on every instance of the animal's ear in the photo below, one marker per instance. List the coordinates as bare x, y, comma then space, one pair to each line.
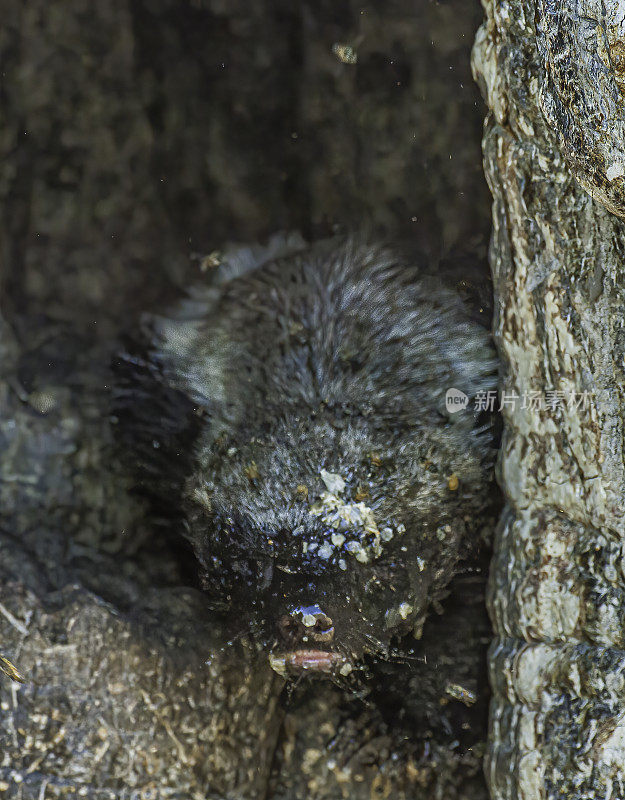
194, 356
237, 260
468, 271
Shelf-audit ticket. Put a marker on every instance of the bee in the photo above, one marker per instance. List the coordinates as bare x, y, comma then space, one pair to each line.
10, 670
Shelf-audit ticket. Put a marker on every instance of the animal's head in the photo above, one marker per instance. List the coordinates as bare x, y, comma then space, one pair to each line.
331, 496
328, 534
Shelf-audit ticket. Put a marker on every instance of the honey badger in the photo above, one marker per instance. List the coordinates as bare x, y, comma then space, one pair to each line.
294, 408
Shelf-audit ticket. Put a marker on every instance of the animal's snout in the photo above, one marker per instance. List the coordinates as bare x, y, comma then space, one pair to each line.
306, 634
306, 624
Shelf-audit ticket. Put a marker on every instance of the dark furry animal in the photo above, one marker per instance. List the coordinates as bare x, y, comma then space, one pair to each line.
294, 409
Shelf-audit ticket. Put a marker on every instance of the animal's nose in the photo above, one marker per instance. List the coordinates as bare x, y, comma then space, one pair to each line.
306, 633
307, 623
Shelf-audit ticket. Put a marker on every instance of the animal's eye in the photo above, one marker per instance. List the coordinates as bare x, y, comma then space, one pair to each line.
243, 568
259, 572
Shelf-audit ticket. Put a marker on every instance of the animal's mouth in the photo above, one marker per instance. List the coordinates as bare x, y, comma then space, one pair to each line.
296, 662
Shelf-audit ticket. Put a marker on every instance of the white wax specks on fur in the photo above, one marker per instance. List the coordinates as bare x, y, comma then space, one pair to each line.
334, 483
356, 517
325, 551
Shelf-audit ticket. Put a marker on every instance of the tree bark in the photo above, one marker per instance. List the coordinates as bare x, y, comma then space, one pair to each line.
550, 74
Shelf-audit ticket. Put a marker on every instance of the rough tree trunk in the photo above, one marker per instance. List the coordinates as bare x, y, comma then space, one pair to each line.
549, 70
